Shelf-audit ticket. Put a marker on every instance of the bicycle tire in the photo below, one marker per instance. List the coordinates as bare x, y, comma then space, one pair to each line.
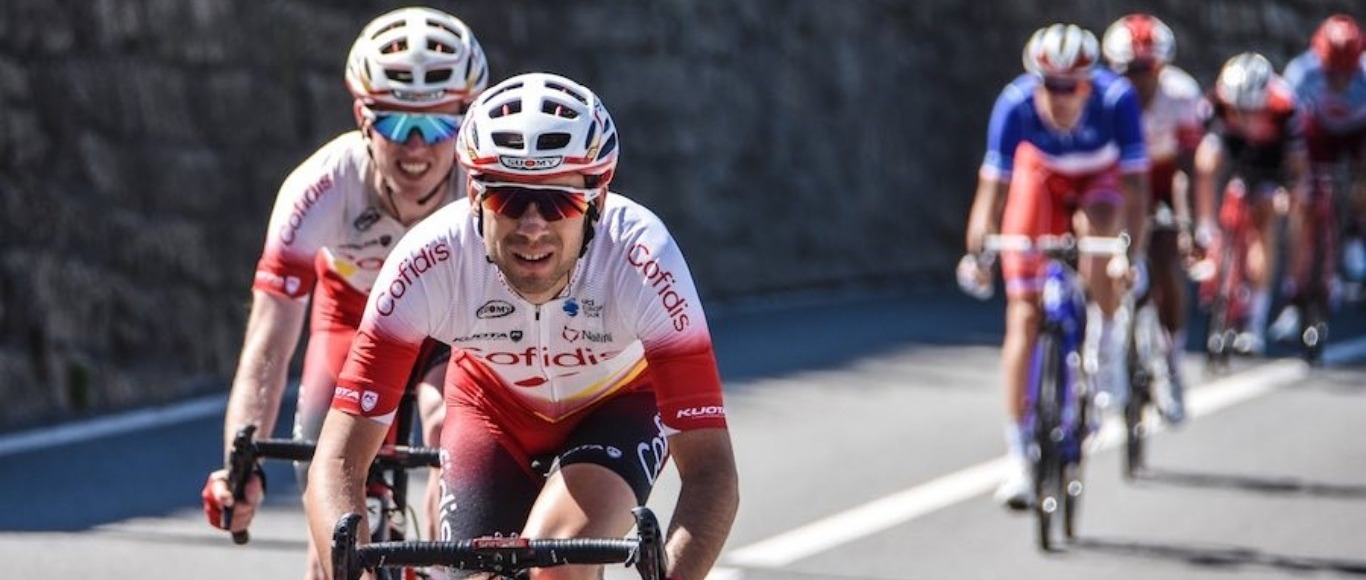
1048, 488
1140, 382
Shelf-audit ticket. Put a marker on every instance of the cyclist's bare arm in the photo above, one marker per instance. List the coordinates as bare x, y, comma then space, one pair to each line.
336, 478
985, 217
273, 329
707, 502
1136, 199
1209, 162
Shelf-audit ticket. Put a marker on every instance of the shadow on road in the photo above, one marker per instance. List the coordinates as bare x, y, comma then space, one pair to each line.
1222, 557
1271, 485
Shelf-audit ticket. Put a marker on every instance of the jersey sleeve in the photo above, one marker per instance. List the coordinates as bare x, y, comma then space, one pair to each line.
399, 315
308, 212
672, 326
1003, 135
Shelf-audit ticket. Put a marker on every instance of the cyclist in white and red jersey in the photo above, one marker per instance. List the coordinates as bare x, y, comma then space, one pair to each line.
1141, 47
1329, 81
412, 72
577, 338
1064, 147
1254, 136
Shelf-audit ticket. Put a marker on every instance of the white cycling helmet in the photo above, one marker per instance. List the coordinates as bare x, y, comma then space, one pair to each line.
416, 58
1245, 81
1061, 50
536, 125
1138, 39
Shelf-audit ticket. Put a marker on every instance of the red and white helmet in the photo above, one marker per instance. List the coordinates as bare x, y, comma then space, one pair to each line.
416, 58
1061, 50
1339, 44
1138, 39
1245, 82
538, 125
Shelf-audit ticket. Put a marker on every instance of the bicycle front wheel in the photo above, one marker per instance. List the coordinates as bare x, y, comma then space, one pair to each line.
1048, 436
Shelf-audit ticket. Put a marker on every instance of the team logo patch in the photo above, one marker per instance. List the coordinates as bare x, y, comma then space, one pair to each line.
571, 307
368, 399
495, 309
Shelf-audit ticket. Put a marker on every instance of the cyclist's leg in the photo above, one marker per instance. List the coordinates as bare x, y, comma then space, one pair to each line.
1260, 260
487, 484
609, 465
1102, 214
1030, 211
1168, 292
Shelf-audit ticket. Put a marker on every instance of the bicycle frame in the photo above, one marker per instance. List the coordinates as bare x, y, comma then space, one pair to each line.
1227, 293
1055, 408
1056, 394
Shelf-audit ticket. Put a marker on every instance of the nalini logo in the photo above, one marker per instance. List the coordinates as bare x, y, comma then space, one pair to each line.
368, 399
495, 309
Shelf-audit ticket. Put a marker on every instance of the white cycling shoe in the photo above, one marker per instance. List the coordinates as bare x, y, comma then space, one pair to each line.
1017, 491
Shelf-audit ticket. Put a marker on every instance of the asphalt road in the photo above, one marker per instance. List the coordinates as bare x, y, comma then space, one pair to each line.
868, 431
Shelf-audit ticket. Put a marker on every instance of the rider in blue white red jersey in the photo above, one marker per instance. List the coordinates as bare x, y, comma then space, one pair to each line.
1329, 81
1064, 143
577, 340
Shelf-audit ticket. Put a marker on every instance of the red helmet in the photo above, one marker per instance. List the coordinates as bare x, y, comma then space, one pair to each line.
1138, 40
1338, 43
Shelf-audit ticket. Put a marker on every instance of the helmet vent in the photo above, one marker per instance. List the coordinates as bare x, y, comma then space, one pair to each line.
608, 147
399, 76
509, 140
396, 46
549, 141
440, 75
566, 90
440, 47
512, 107
550, 107
442, 26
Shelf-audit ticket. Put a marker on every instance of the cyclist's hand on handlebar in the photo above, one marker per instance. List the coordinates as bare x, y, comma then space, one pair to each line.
974, 277
217, 496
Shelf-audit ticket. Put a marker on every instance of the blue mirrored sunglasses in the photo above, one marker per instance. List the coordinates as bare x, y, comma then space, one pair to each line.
398, 126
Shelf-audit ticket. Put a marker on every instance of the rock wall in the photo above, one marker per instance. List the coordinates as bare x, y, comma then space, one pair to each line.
790, 144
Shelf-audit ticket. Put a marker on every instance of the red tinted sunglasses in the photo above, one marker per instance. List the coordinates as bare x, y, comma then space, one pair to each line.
554, 202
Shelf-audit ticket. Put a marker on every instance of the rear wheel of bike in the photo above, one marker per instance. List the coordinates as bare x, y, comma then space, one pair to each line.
1048, 480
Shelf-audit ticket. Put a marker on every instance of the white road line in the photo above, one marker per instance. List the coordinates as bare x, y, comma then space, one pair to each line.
113, 425
904, 506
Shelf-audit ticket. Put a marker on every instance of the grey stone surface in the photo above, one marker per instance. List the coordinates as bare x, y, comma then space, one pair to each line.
792, 145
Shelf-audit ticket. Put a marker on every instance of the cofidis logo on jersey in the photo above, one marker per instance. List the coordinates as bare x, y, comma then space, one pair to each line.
290, 230
662, 281
409, 270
